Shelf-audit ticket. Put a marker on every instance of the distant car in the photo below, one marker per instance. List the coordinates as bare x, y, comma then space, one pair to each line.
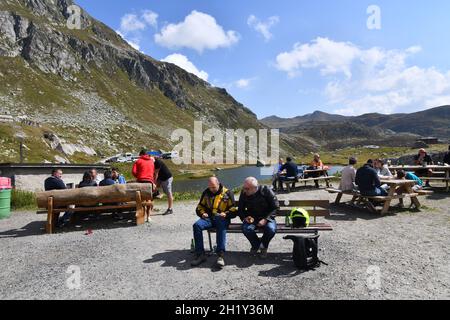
170, 155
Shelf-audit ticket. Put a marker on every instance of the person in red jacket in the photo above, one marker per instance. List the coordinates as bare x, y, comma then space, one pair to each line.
144, 172
144, 168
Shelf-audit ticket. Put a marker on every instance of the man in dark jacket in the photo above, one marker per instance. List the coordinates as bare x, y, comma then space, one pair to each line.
291, 169
107, 179
257, 209
216, 209
55, 182
368, 182
447, 156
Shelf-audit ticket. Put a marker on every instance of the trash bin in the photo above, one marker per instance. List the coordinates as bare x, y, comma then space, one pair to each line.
5, 198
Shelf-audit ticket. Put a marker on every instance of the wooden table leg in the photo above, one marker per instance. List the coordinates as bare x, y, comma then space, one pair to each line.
414, 200
50, 221
338, 198
387, 203
140, 211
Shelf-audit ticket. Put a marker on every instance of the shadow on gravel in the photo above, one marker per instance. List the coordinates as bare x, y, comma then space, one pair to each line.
100, 222
181, 260
439, 195
345, 212
32, 229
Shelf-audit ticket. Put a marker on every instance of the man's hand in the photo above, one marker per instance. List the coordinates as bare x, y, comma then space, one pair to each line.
262, 223
205, 216
249, 220
223, 215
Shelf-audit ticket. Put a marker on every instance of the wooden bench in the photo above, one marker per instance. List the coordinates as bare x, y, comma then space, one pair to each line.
131, 197
315, 208
367, 201
290, 184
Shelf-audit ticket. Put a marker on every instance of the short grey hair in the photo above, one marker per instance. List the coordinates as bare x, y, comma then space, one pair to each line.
252, 181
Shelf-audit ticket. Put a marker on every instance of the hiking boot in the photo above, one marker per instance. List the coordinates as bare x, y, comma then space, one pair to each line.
168, 212
263, 253
200, 258
220, 261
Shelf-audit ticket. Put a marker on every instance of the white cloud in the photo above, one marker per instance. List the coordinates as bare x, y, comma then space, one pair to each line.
130, 23
198, 31
263, 27
331, 57
151, 18
183, 62
243, 83
369, 80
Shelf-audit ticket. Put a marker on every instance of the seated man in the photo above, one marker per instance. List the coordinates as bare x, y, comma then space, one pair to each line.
291, 169
257, 209
87, 181
55, 182
401, 175
117, 177
216, 208
447, 157
423, 159
315, 165
368, 181
382, 169
107, 179
348, 176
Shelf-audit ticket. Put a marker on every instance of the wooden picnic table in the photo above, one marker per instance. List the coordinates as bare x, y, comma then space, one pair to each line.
435, 168
394, 184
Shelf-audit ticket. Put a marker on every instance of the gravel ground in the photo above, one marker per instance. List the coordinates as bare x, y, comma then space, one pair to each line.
411, 251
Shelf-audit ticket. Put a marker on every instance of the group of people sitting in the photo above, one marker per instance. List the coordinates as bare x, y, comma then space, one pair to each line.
256, 208
289, 171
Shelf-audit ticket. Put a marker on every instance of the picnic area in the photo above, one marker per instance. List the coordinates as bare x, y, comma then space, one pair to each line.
119, 260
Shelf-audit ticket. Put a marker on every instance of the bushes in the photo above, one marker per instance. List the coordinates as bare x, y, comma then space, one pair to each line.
23, 200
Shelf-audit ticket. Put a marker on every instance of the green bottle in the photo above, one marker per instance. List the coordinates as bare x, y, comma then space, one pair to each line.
287, 221
192, 246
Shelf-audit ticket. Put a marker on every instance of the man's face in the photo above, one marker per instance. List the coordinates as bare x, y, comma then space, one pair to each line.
58, 174
213, 186
422, 154
249, 189
94, 174
114, 175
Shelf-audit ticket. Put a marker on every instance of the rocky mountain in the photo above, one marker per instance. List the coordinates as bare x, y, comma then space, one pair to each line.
334, 131
89, 90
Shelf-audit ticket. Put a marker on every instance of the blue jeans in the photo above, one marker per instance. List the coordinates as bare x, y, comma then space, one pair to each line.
221, 227
249, 231
375, 193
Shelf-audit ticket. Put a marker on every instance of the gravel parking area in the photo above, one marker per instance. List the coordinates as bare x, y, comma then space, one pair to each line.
410, 250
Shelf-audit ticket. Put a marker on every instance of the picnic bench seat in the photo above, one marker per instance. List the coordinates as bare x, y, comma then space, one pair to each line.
290, 184
111, 199
315, 208
367, 201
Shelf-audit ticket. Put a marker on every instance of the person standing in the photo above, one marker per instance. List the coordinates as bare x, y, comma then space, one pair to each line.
144, 172
164, 179
447, 157
257, 209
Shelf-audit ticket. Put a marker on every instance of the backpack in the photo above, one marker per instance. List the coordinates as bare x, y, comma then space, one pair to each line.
305, 252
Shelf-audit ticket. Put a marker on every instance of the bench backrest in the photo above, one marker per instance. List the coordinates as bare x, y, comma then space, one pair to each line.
315, 208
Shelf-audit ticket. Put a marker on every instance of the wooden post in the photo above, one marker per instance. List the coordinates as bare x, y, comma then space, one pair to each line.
414, 200
50, 221
140, 212
387, 203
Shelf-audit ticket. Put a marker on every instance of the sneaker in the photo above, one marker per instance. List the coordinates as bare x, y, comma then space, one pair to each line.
263, 253
200, 258
220, 261
168, 212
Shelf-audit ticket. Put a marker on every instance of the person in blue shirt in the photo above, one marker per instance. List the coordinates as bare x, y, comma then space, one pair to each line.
401, 174
117, 177
107, 179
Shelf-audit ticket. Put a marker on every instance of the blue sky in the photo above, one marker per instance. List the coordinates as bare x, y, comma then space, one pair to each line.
292, 57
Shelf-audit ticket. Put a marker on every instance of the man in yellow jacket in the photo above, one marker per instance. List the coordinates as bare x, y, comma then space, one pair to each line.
216, 208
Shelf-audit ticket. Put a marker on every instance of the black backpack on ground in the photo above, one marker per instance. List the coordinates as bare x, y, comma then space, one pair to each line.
305, 252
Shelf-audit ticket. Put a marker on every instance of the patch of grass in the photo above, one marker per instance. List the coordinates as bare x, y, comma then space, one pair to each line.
23, 200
